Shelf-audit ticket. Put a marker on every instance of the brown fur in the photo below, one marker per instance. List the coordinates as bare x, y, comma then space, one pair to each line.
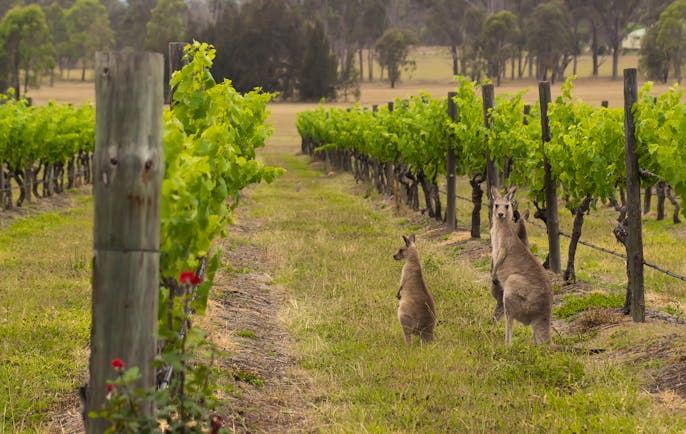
527, 291
416, 310
496, 288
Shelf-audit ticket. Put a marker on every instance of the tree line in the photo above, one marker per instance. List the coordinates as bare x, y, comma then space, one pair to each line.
312, 49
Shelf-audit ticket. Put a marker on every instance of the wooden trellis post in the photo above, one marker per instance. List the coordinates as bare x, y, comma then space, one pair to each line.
492, 177
450, 211
129, 166
176, 62
634, 241
552, 217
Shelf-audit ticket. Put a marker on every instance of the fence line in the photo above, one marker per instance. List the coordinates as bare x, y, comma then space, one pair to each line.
601, 249
619, 255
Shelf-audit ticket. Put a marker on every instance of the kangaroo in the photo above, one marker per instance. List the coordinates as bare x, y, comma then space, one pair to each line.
496, 288
527, 292
416, 310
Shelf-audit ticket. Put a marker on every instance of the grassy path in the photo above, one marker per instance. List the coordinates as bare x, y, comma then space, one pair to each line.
333, 252
44, 314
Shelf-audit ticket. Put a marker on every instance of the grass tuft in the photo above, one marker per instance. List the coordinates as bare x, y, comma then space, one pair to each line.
574, 304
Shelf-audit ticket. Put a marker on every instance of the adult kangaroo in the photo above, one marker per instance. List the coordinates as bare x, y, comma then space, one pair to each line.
416, 310
527, 292
496, 288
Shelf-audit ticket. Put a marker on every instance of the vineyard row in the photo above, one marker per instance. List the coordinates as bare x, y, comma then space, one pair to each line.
564, 145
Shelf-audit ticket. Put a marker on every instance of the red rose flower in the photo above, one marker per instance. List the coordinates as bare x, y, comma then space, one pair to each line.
118, 364
189, 277
110, 387
217, 422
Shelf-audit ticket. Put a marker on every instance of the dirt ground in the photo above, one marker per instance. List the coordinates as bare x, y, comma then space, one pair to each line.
244, 316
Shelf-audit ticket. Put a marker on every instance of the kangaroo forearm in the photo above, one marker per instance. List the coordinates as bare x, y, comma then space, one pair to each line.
497, 263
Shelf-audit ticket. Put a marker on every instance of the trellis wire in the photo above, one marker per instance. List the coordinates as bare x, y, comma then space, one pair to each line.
604, 250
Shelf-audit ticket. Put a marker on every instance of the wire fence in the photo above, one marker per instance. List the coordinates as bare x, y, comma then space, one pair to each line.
602, 249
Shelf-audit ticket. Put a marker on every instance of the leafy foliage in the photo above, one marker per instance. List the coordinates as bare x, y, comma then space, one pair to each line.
586, 150
210, 139
660, 123
52, 133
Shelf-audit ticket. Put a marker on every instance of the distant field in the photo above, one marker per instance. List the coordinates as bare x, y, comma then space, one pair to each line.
435, 63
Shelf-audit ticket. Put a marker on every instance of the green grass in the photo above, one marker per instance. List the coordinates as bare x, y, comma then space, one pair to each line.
574, 304
44, 314
246, 334
333, 252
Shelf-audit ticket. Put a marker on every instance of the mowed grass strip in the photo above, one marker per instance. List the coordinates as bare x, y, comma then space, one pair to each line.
44, 314
333, 251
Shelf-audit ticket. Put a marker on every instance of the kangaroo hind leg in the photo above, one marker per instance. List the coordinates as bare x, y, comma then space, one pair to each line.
541, 329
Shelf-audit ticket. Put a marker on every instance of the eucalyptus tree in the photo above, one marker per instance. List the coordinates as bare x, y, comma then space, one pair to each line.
650, 11
597, 38
615, 17
472, 53
444, 20
117, 12
653, 61
340, 18
318, 73
27, 45
55, 17
549, 37
264, 45
671, 35
393, 48
522, 9
133, 30
499, 35
89, 31
167, 25
581, 28
370, 25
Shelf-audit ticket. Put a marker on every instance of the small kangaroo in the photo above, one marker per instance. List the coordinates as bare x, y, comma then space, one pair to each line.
416, 310
527, 292
496, 288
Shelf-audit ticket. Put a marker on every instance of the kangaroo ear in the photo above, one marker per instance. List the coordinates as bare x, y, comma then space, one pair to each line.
511, 193
412, 239
494, 192
407, 241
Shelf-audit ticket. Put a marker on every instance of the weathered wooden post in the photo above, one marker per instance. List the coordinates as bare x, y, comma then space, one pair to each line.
176, 63
450, 211
634, 242
552, 218
397, 171
492, 178
127, 184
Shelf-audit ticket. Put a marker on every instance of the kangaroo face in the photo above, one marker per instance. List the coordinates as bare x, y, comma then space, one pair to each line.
402, 252
502, 209
502, 205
